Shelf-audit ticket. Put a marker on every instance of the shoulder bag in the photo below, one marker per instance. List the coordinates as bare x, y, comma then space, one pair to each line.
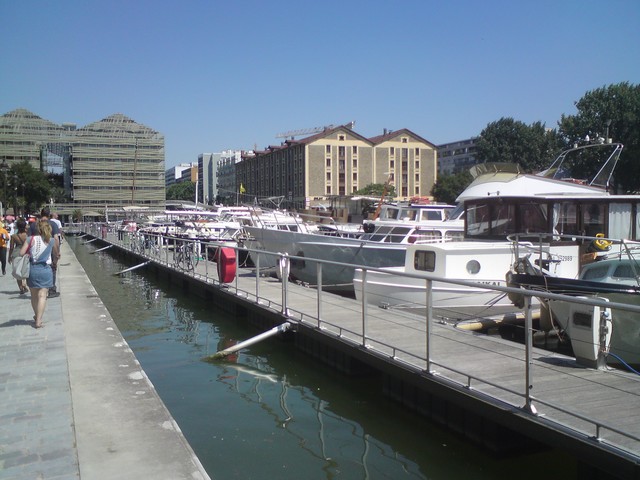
21, 265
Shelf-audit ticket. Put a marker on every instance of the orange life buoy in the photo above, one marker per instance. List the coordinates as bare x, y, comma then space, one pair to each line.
226, 264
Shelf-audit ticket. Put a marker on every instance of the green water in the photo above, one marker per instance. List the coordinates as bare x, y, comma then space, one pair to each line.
273, 413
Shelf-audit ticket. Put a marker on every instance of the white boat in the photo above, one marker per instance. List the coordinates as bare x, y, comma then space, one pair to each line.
614, 279
482, 262
534, 210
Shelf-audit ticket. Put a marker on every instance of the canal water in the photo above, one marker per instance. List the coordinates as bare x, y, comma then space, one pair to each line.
271, 412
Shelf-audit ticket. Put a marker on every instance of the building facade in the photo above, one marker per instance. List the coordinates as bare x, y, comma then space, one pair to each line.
336, 163
111, 163
180, 173
456, 157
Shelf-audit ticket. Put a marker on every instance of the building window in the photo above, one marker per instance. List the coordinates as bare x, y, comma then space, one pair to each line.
405, 140
354, 150
328, 163
355, 163
417, 191
417, 164
417, 152
355, 177
328, 189
328, 176
392, 151
417, 177
341, 138
328, 149
341, 152
392, 164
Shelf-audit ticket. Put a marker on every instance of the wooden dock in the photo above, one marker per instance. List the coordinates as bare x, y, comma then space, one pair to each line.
474, 384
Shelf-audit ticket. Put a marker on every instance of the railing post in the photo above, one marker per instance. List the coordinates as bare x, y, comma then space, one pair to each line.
319, 291
257, 278
284, 268
528, 338
364, 307
429, 319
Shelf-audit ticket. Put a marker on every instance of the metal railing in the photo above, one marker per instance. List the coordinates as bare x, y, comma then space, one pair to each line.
194, 258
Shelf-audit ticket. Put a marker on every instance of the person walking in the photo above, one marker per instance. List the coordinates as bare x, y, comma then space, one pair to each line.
17, 240
41, 247
45, 214
4, 238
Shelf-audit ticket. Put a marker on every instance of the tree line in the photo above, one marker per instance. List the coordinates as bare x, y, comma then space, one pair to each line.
609, 112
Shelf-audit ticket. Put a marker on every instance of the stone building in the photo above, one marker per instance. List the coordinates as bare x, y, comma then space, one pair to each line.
337, 162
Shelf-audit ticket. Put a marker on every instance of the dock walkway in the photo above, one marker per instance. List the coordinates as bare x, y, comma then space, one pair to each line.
74, 401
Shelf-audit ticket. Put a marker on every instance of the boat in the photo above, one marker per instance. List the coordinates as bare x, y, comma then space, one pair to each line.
484, 263
509, 217
613, 278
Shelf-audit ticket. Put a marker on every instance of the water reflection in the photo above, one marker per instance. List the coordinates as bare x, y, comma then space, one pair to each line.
270, 411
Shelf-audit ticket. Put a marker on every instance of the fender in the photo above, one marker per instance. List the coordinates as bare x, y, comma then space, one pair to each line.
226, 264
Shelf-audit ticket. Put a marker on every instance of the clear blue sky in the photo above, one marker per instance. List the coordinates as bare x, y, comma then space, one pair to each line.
213, 75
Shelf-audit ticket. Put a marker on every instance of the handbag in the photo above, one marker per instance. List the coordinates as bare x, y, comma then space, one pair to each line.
21, 267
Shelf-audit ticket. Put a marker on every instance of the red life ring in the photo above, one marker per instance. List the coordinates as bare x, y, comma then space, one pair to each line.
226, 264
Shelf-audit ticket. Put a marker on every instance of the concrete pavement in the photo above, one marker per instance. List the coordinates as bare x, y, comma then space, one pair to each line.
74, 401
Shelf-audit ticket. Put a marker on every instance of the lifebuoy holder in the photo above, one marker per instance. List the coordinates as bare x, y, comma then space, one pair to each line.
226, 264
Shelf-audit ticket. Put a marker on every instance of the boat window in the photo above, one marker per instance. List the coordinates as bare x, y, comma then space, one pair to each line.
408, 215
391, 214
454, 236
379, 234
503, 219
597, 273
431, 215
623, 271
533, 218
593, 219
397, 234
427, 236
424, 261
478, 220
619, 220
565, 219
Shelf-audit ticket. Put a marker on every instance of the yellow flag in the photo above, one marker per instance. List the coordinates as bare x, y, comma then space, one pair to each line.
242, 190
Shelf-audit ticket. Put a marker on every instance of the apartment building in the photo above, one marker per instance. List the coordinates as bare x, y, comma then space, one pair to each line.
456, 157
337, 162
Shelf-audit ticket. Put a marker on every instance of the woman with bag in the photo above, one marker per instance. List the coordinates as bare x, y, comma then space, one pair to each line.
40, 279
17, 240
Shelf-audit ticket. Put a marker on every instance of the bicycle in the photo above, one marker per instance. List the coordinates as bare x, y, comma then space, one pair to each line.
184, 257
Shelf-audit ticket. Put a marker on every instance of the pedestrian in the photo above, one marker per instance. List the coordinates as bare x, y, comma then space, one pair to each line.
41, 248
55, 219
45, 214
17, 240
4, 238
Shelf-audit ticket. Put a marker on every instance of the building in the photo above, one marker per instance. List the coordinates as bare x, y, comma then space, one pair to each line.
180, 173
227, 188
337, 162
110, 163
456, 157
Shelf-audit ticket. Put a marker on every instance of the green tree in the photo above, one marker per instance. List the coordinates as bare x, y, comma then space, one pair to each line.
614, 112
376, 189
182, 191
533, 147
448, 187
31, 185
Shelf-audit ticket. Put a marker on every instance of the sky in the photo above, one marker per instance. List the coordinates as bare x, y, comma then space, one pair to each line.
213, 75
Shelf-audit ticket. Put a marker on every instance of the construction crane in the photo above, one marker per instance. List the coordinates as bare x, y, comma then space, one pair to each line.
305, 131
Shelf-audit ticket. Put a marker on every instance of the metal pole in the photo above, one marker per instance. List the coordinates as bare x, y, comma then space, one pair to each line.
364, 306
257, 278
284, 264
429, 318
319, 291
528, 337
